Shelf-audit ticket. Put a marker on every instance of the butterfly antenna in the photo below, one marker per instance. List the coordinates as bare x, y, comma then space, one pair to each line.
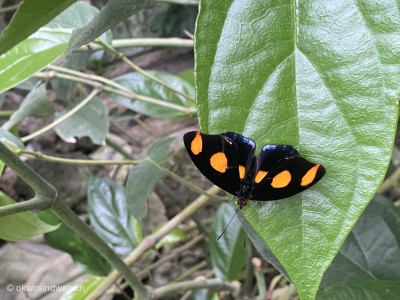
228, 224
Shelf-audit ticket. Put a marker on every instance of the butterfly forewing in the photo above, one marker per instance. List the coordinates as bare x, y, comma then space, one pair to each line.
246, 148
216, 157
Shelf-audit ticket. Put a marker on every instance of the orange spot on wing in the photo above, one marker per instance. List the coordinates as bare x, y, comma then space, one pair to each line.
309, 176
242, 171
197, 144
281, 180
219, 162
260, 176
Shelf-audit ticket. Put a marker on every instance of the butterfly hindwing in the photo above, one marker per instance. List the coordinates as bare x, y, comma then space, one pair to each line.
217, 158
289, 176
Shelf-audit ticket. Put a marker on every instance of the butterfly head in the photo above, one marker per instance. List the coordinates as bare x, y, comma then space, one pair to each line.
241, 202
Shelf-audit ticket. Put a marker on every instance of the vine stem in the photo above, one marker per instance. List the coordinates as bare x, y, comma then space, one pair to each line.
149, 241
45, 195
6, 113
94, 92
121, 56
9, 8
182, 2
90, 79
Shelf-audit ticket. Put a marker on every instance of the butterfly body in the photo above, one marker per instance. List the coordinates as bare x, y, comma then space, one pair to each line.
228, 161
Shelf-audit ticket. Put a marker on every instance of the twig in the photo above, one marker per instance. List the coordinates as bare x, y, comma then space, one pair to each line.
183, 2
272, 286
140, 70
6, 113
260, 279
190, 271
94, 92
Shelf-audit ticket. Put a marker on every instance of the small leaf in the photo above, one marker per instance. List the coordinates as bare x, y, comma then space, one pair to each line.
147, 87
91, 120
83, 290
361, 290
174, 236
228, 254
35, 104
4, 134
65, 239
109, 215
30, 16
21, 226
372, 249
144, 176
112, 13
44, 46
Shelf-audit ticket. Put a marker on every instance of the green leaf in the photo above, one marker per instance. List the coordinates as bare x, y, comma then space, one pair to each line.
21, 226
42, 47
361, 290
228, 254
144, 176
2, 165
92, 120
109, 215
188, 76
145, 86
35, 104
372, 249
174, 236
65, 239
321, 77
112, 13
83, 290
4, 134
31, 15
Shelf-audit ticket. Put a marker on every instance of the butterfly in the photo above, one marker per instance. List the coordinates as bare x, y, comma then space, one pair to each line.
228, 161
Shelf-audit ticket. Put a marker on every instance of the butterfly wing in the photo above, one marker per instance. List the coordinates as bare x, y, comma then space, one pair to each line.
246, 148
282, 173
216, 157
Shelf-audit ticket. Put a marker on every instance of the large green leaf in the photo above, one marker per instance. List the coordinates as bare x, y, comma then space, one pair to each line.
83, 290
44, 46
35, 104
372, 249
145, 86
228, 254
65, 239
109, 215
91, 120
112, 13
31, 15
21, 226
143, 178
322, 76
361, 290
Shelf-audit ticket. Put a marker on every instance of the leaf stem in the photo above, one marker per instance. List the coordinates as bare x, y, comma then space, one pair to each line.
121, 56
9, 8
69, 161
182, 2
145, 42
94, 92
149, 241
6, 113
